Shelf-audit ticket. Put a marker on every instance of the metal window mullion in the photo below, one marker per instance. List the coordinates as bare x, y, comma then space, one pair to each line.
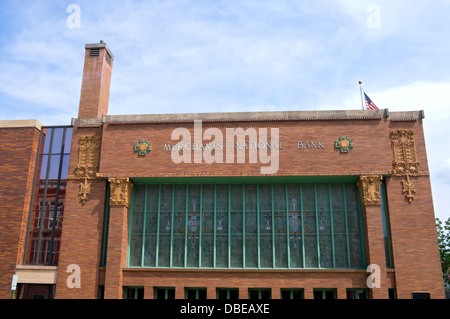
317, 226
332, 227
243, 225
288, 244
44, 198
303, 227
200, 225
130, 226
346, 226
257, 225
273, 229
105, 228
186, 218
157, 226
144, 226
172, 226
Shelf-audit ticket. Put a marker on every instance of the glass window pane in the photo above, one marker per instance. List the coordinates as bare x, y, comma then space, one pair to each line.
150, 250
251, 240
57, 140
309, 225
194, 225
330, 294
285, 294
222, 226
236, 236
324, 225
68, 140
207, 259
165, 226
222, 294
54, 166
201, 294
65, 166
295, 225
135, 250
44, 163
233, 294
151, 222
253, 294
265, 226
179, 226
46, 137
340, 246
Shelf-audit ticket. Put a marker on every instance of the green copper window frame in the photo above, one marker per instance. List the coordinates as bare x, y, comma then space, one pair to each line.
132, 292
227, 188
195, 293
386, 228
292, 293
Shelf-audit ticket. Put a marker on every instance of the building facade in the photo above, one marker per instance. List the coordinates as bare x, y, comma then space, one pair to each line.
320, 204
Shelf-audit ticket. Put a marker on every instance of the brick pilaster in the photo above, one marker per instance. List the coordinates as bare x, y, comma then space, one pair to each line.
370, 193
116, 260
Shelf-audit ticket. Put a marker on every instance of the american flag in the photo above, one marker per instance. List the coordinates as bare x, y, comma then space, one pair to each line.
369, 103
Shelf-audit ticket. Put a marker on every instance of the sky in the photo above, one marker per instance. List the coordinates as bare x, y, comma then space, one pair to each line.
181, 56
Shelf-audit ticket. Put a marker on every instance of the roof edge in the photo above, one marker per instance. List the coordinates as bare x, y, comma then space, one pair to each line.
20, 124
252, 117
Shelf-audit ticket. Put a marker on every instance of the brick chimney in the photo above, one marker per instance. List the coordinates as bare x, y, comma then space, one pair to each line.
94, 97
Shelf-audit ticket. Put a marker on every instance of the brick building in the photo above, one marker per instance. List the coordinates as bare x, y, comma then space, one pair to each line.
216, 205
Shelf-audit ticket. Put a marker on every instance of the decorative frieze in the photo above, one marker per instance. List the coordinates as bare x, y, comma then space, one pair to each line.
142, 147
404, 150
370, 189
88, 163
409, 189
405, 160
343, 144
120, 191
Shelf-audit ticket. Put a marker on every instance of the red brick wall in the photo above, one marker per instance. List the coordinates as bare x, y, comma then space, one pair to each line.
18, 149
244, 279
371, 152
414, 240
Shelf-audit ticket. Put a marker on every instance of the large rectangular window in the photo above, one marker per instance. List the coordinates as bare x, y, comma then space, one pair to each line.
267, 225
48, 198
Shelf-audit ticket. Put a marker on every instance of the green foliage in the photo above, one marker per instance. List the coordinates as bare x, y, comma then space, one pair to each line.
443, 231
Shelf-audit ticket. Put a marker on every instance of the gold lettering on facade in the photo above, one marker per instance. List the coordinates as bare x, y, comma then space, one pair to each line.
88, 162
120, 191
370, 189
405, 159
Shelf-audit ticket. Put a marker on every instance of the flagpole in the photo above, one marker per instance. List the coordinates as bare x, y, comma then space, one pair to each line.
362, 99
